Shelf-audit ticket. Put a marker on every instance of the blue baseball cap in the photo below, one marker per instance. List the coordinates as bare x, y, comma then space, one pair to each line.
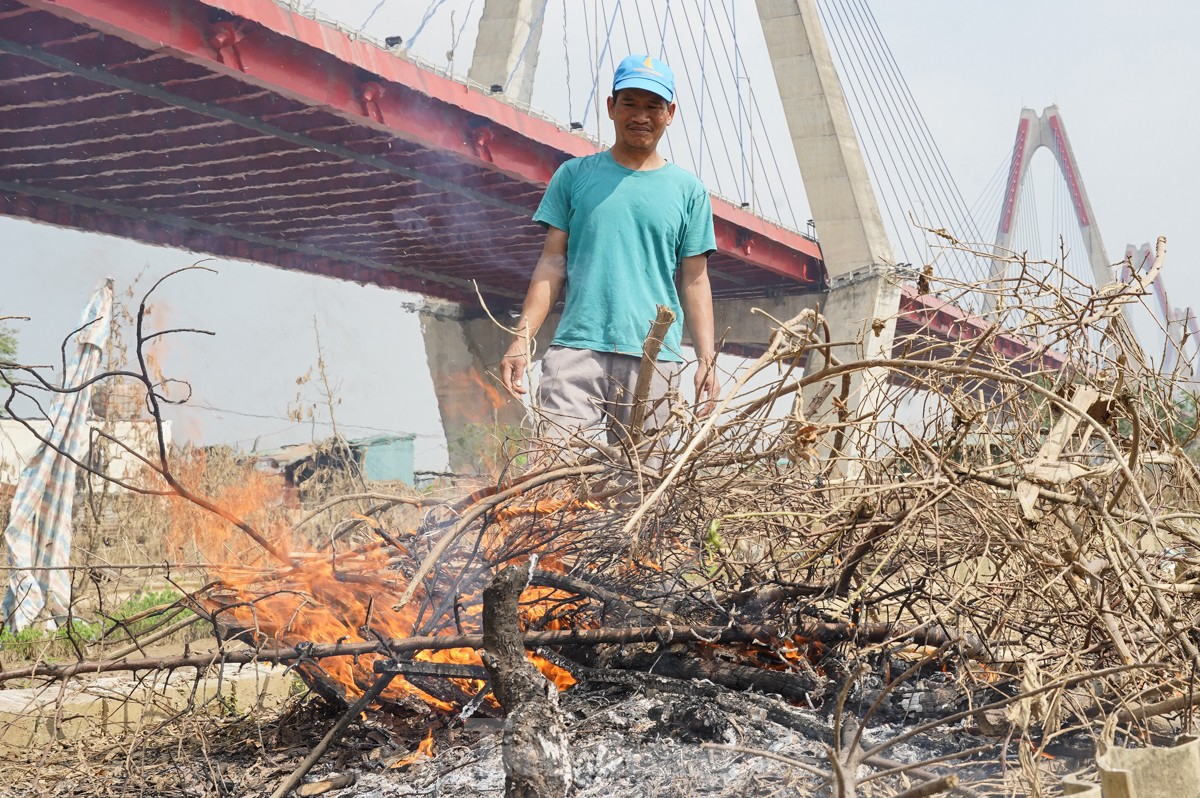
644, 72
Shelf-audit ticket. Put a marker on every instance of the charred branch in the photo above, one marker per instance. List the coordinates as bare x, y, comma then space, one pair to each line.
537, 756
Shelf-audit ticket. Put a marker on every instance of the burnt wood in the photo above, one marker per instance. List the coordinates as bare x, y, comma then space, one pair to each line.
537, 759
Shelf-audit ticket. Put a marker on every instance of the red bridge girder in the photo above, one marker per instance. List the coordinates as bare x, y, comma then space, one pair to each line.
929, 317
243, 129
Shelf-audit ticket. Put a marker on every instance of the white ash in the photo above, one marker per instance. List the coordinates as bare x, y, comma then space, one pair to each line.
630, 747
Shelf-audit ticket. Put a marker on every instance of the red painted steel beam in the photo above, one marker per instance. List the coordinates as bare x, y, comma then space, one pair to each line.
944, 320
66, 210
766, 250
285, 52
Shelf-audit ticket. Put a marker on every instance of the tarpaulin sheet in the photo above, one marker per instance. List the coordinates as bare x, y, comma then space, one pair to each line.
38, 537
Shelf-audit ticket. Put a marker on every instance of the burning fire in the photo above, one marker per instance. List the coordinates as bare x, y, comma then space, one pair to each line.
424, 751
349, 596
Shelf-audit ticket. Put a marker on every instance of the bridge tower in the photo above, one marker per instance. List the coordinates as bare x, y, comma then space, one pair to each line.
1035, 131
506, 47
1178, 323
864, 283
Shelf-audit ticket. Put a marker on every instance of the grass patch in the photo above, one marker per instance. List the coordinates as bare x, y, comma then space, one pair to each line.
138, 614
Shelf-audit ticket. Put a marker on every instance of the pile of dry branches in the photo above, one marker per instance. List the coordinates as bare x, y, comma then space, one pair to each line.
1023, 532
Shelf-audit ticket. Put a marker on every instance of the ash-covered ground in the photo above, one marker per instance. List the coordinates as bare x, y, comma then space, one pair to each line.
656, 743
652, 738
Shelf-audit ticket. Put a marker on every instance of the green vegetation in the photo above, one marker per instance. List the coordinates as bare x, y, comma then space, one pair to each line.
132, 617
8, 344
1184, 426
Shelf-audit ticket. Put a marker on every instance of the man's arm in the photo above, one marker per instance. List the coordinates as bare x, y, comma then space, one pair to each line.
696, 295
544, 287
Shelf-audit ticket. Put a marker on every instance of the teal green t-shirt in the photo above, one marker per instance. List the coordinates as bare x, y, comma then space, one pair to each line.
627, 233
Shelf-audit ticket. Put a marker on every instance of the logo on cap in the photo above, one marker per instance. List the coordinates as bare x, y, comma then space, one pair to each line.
645, 72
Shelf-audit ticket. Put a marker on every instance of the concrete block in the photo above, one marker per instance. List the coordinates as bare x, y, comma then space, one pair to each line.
119, 703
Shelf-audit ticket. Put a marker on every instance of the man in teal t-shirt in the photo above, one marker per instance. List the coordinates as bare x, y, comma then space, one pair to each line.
623, 229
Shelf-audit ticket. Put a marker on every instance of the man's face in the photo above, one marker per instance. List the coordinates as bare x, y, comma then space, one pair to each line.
639, 118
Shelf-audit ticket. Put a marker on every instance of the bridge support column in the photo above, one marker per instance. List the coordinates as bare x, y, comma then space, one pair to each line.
507, 45
737, 324
861, 308
464, 353
864, 296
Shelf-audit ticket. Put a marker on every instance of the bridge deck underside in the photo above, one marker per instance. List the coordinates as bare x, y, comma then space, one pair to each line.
99, 133
241, 129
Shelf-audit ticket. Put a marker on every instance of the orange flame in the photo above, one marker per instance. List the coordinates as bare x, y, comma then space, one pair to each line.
324, 597
424, 751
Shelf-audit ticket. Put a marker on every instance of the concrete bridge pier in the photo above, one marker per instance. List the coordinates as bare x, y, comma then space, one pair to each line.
737, 324
463, 348
860, 308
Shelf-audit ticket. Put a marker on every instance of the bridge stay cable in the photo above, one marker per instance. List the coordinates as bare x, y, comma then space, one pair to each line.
733, 64
457, 35
930, 201
863, 97
697, 153
567, 61
954, 205
986, 205
737, 85
703, 81
737, 66
629, 50
698, 50
870, 128
610, 50
434, 5
706, 90
370, 16
687, 135
594, 96
927, 137
756, 108
537, 24
888, 119
661, 31
589, 34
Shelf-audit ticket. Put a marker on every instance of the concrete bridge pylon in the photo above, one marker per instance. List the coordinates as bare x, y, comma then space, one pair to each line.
506, 47
864, 283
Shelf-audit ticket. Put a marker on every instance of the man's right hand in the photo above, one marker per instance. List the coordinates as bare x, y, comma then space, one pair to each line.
549, 275
512, 368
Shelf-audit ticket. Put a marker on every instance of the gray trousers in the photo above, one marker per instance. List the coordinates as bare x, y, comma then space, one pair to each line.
592, 393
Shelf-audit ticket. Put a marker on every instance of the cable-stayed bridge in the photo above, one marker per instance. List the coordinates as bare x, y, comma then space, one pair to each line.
253, 130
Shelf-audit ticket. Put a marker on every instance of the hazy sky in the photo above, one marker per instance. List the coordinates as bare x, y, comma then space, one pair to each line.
1123, 75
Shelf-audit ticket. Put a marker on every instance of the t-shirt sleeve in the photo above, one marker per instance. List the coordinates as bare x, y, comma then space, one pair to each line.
700, 238
555, 207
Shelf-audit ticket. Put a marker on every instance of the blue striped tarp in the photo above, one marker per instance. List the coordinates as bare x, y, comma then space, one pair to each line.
38, 537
